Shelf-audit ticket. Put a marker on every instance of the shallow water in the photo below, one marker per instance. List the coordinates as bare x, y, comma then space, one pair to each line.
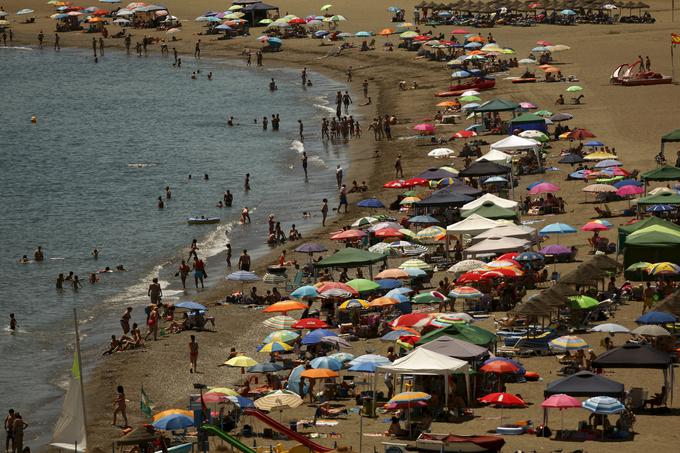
109, 137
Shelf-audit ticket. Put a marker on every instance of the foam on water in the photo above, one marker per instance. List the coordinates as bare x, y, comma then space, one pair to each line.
297, 145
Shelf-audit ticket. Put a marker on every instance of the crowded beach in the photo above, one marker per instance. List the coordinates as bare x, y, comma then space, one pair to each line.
512, 248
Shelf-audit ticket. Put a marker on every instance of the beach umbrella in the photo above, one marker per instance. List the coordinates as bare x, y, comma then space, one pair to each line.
363, 285
627, 182
500, 367
469, 277
342, 356
629, 190
664, 268
167, 412
278, 399
310, 323
651, 330
243, 276
561, 401
441, 152
544, 187
326, 286
656, 317
305, 291
502, 400
529, 256
460, 74
469, 98
24, 11
640, 268
416, 264
555, 250
268, 367
604, 405
364, 221
557, 228
326, 362
583, 302
428, 298
568, 12
326, 7
319, 373
397, 334
348, 235
284, 336
398, 292
424, 127
408, 34
223, 390
336, 341
568, 343
189, 305
607, 163
285, 306
275, 346
465, 292
392, 274
174, 422
572, 159
388, 233
433, 233
385, 32
423, 219
415, 320
279, 322
372, 203
353, 304
659, 208
574, 89
465, 266
241, 361
409, 398
610, 327
594, 226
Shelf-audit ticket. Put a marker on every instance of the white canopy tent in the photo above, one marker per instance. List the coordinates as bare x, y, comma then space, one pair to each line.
514, 231
515, 143
498, 201
473, 225
421, 361
497, 245
496, 156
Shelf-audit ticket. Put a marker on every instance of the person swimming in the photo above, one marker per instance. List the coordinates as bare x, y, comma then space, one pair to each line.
220, 204
272, 85
12, 322
161, 204
24, 260
230, 121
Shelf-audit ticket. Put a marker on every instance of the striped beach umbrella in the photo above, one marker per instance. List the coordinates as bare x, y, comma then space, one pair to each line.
364, 221
284, 336
466, 266
415, 263
326, 362
433, 233
353, 303
415, 320
603, 405
305, 291
275, 346
279, 322
465, 292
392, 273
285, 306
664, 268
414, 272
410, 397
342, 356
568, 343
278, 399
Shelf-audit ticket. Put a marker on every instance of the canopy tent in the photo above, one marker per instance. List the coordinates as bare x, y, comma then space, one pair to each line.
255, 10
491, 211
461, 189
497, 245
473, 224
453, 347
585, 383
653, 244
496, 156
498, 201
425, 362
673, 136
515, 143
528, 122
666, 173
436, 173
444, 197
496, 105
625, 230
351, 257
662, 198
465, 332
484, 168
514, 231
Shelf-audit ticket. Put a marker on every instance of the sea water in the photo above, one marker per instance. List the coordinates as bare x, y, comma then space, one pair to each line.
108, 138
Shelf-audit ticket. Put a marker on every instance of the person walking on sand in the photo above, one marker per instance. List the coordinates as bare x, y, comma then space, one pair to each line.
18, 433
41, 38
101, 46
57, 44
365, 87
183, 272
324, 211
155, 292
193, 354
399, 171
303, 158
152, 324
343, 198
244, 261
120, 406
9, 430
125, 320
199, 271
338, 176
346, 101
349, 75
197, 49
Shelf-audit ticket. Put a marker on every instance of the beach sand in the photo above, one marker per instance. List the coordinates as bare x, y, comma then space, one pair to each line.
629, 119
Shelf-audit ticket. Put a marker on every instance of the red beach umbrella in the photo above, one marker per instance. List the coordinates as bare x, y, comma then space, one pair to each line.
310, 323
503, 399
348, 234
464, 134
500, 367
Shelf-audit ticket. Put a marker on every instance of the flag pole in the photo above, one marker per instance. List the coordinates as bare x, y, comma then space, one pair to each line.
672, 62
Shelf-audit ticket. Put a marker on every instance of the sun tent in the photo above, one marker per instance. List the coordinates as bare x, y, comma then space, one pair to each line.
496, 156
497, 245
473, 224
351, 257
633, 355
496, 105
453, 347
515, 231
673, 136
625, 230
484, 168
665, 173
515, 143
656, 235
255, 11
465, 332
662, 198
491, 211
444, 197
653, 244
424, 362
498, 201
585, 384
528, 122
436, 173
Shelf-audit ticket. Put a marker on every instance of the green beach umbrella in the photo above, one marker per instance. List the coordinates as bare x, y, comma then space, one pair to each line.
283, 336
544, 113
363, 285
408, 35
639, 266
469, 98
426, 298
410, 193
583, 302
574, 89
265, 21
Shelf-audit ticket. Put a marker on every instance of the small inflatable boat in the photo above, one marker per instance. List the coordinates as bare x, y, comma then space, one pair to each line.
458, 444
202, 220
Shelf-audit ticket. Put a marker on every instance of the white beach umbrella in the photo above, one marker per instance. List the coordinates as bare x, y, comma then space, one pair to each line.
441, 152
21, 12
279, 399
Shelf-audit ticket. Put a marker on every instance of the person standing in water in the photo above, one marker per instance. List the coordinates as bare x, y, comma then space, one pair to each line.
120, 406
161, 204
304, 163
324, 211
244, 261
168, 194
57, 44
302, 129
183, 272
199, 271
41, 38
193, 354
38, 255
12, 322
338, 176
155, 292
60, 281
246, 183
228, 199
19, 426
9, 430
229, 255
95, 253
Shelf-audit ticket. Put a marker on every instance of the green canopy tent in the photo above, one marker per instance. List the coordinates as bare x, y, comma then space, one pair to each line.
662, 198
492, 211
625, 230
653, 244
497, 105
665, 173
351, 257
671, 137
471, 334
528, 121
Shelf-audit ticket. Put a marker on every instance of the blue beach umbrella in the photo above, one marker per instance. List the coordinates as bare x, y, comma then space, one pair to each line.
627, 182
534, 184
568, 12
364, 367
241, 401
579, 174
243, 276
389, 283
656, 317
326, 362
273, 41
316, 336
603, 405
460, 75
213, 19
268, 367
294, 381
190, 305
223, 27
321, 33
557, 228
274, 346
414, 271
342, 356
593, 143
363, 34
659, 208
373, 203
401, 298
368, 362
173, 422
529, 256
608, 163
396, 334
473, 45
305, 291
398, 292
425, 219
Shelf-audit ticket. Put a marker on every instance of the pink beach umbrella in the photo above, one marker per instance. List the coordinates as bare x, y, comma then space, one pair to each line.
544, 187
560, 401
527, 105
424, 127
626, 191
594, 226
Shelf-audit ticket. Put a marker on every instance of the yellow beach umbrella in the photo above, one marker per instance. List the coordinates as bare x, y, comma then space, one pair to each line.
326, 7
234, 7
600, 155
223, 390
241, 361
276, 346
408, 34
173, 412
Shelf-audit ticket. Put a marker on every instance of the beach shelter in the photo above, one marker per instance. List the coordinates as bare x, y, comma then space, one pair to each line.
496, 156
456, 348
497, 105
625, 230
514, 231
492, 211
670, 304
471, 334
425, 362
516, 143
527, 122
484, 168
444, 197
433, 174
351, 257
255, 11
585, 383
473, 224
653, 244
661, 198
673, 136
496, 245
665, 173
496, 200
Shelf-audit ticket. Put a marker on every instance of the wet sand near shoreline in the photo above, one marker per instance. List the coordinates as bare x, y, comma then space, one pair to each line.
631, 119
